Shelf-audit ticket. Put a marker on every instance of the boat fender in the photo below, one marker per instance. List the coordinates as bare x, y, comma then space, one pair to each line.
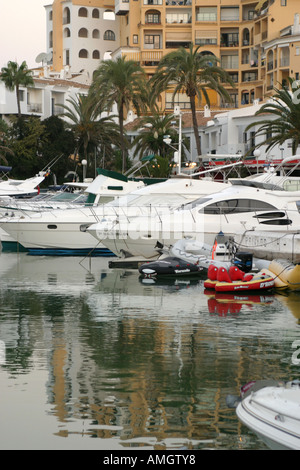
235, 273
212, 272
223, 275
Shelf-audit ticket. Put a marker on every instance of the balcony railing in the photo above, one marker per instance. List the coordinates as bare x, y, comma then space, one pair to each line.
35, 108
178, 2
206, 17
182, 104
284, 62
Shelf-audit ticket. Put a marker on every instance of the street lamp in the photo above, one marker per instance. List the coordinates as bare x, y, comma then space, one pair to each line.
167, 139
84, 165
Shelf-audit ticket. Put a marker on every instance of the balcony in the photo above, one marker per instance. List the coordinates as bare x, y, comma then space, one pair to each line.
178, 2
284, 62
35, 108
153, 2
121, 7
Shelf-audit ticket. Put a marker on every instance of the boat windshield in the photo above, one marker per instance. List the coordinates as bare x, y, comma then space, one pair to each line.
257, 184
195, 203
135, 200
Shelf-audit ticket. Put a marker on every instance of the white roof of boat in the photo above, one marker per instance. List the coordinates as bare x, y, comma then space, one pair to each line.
106, 185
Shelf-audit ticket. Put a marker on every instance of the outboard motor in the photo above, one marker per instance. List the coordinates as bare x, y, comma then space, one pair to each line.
243, 261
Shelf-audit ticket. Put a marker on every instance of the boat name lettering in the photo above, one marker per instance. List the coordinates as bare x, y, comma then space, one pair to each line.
267, 284
182, 271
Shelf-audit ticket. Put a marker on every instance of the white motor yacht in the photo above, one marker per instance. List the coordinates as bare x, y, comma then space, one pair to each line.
62, 232
273, 413
234, 209
20, 188
53, 227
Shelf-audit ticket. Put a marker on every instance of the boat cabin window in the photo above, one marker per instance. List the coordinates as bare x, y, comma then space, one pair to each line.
291, 185
105, 199
234, 206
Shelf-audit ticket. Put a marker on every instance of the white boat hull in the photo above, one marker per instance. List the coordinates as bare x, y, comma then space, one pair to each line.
231, 211
273, 413
268, 245
54, 237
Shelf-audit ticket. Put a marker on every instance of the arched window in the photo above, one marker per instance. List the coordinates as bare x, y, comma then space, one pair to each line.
83, 12
67, 33
109, 35
83, 33
96, 54
95, 13
51, 39
96, 34
83, 54
66, 16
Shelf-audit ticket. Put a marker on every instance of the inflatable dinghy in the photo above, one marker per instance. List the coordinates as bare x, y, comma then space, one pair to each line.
235, 280
169, 267
287, 274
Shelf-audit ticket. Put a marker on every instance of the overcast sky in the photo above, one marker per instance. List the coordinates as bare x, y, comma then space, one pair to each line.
22, 30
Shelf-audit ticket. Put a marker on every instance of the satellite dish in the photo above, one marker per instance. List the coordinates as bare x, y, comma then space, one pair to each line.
41, 57
49, 57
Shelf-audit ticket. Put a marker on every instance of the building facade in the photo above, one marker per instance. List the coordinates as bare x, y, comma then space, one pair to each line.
50, 90
81, 33
257, 42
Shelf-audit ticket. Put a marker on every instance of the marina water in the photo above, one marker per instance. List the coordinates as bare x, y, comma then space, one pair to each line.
93, 357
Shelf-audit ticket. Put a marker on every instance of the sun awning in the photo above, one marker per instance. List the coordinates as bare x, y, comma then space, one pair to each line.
260, 4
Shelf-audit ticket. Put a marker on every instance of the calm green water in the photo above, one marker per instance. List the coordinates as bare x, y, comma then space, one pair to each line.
93, 358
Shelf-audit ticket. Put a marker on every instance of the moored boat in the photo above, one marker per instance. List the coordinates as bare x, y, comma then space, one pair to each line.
287, 274
233, 280
273, 413
169, 267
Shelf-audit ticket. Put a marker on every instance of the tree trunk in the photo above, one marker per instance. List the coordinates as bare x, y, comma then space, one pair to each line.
121, 124
18, 101
195, 126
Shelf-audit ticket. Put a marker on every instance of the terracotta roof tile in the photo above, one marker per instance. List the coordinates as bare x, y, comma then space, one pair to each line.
61, 82
187, 121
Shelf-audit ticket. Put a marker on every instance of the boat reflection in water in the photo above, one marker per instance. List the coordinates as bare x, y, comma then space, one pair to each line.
224, 304
99, 358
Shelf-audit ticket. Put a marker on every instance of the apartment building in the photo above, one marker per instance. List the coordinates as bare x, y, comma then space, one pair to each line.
51, 89
81, 33
256, 41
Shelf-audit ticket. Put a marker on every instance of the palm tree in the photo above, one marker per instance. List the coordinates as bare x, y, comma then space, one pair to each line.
192, 73
151, 137
90, 129
285, 105
14, 76
122, 82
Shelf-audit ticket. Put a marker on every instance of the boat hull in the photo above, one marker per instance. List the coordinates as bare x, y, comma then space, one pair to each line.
273, 414
267, 244
169, 267
256, 285
54, 239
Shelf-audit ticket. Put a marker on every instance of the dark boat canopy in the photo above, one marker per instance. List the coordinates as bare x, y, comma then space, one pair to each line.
5, 169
